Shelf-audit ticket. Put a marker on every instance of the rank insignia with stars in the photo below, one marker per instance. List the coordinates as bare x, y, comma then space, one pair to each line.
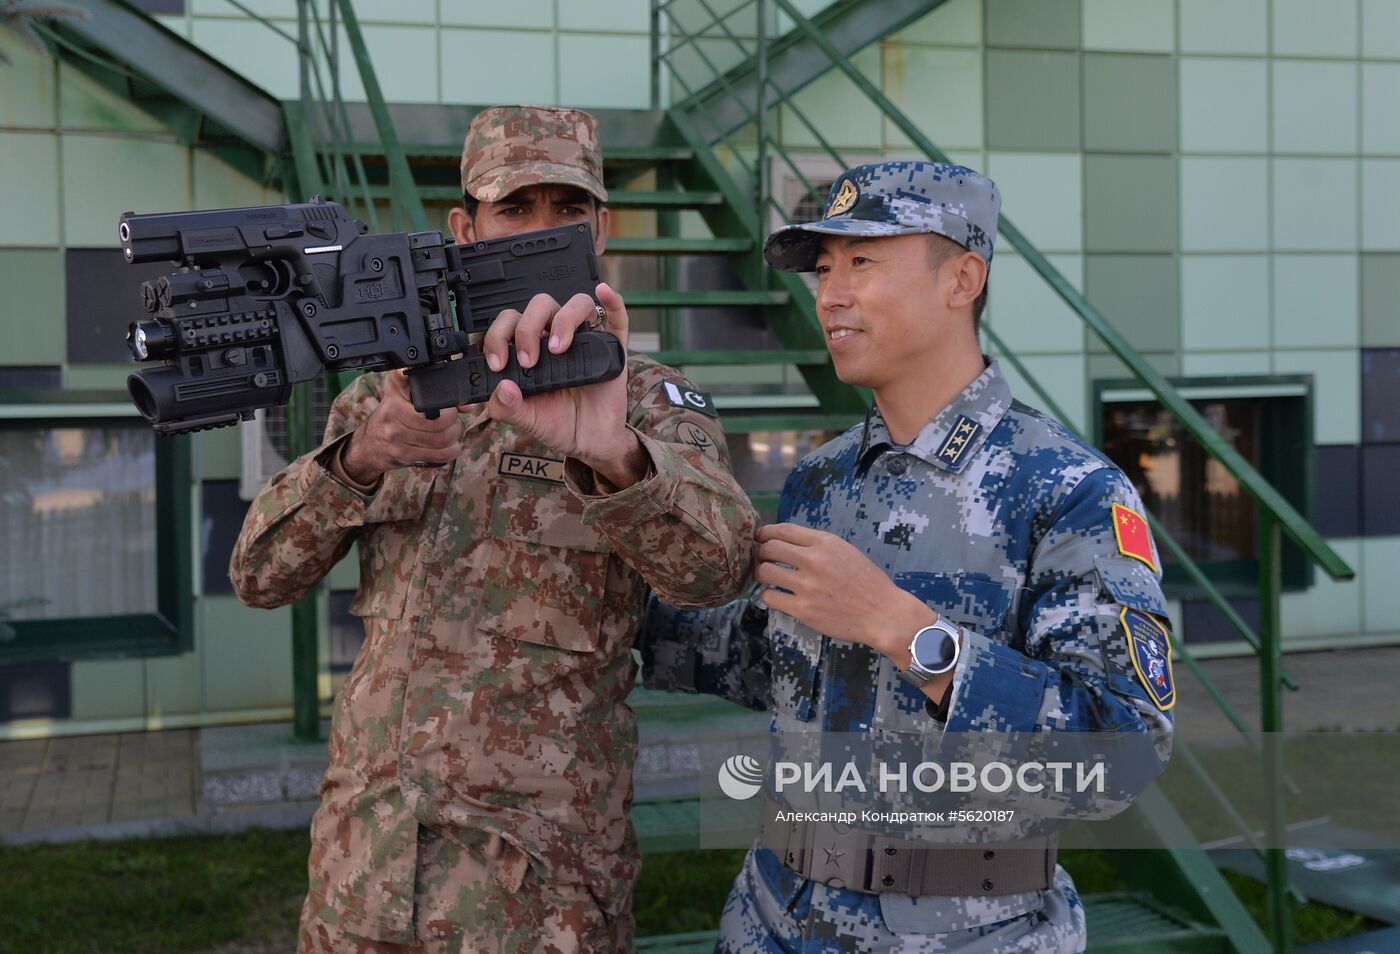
958, 439
1150, 649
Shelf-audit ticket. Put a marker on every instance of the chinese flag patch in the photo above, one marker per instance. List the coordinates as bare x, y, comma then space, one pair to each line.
1134, 539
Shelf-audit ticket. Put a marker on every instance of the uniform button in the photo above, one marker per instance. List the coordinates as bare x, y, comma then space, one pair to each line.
889, 851
987, 885
887, 880
988, 855
897, 466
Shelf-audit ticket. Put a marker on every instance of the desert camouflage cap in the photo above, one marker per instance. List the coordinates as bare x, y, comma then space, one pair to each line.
895, 198
508, 147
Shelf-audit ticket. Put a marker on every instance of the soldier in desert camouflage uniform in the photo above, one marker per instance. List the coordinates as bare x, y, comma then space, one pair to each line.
958, 568
481, 751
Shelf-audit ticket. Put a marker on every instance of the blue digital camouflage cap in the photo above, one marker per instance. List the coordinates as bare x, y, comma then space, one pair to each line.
895, 198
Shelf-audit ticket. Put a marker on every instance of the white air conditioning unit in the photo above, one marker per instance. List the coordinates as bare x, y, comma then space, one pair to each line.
264, 441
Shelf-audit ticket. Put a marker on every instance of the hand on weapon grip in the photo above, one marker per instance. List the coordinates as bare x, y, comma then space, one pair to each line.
398, 435
589, 422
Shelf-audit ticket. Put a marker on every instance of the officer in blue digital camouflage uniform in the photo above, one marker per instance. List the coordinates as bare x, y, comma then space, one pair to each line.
959, 563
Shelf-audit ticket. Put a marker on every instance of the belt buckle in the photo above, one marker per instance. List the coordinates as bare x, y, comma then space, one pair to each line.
838, 858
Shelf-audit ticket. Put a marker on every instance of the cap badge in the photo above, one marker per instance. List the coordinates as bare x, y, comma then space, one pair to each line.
845, 198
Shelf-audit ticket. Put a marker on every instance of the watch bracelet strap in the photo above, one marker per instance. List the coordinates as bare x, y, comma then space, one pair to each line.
874, 864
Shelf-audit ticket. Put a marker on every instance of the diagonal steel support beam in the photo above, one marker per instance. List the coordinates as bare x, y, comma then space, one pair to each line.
146, 48
794, 61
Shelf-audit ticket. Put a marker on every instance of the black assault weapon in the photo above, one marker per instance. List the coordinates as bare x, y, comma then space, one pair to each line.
269, 296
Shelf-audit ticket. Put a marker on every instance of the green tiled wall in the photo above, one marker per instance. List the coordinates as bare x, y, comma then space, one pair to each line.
1141, 294
1146, 26
32, 329
1225, 303
1315, 301
1042, 24
1236, 27
1129, 103
155, 176
1033, 100
1380, 204
1380, 300
1224, 105
1224, 204
1308, 117
1380, 28
1314, 27
940, 89
29, 200
955, 23
27, 86
1130, 203
1315, 204
1046, 190
245, 655
1027, 314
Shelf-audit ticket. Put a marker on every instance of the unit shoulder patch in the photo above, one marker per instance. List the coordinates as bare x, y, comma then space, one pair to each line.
682, 395
693, 435
1149, 647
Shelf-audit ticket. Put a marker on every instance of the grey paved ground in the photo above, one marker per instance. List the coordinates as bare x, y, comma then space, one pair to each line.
230, 779
1339, 689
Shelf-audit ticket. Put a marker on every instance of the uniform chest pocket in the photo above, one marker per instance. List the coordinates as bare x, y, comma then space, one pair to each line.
390, 541
966, 599
544, 573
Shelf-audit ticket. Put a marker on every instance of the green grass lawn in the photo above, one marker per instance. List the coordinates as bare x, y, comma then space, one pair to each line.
242, 894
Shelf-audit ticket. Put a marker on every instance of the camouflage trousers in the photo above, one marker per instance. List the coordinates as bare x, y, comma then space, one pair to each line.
460, 906
772, 910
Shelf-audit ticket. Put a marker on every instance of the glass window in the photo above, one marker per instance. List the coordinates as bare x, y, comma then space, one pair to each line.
1194, 497
78, 505
1187, 490
96, 549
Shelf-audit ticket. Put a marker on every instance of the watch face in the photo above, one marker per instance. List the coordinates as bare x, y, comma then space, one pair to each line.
933, 650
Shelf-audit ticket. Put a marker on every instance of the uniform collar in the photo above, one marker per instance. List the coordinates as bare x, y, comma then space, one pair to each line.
952, 438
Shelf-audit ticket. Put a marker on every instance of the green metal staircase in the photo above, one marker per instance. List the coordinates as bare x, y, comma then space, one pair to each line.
707, 160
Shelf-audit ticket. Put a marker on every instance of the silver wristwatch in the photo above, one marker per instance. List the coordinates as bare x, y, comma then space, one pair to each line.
932, 651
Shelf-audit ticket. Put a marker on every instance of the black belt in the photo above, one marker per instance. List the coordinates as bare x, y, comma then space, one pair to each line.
873, 864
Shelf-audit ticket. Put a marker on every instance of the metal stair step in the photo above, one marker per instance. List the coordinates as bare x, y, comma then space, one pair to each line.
679, 246
770, 356
1126, 923
619, 154
666, 200
616, 199
647, 154
739, 423
704, 299
696, 942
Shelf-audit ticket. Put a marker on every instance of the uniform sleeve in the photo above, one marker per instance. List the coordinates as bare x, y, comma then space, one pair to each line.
719, 652
304, 521
1097, 649
687, 527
